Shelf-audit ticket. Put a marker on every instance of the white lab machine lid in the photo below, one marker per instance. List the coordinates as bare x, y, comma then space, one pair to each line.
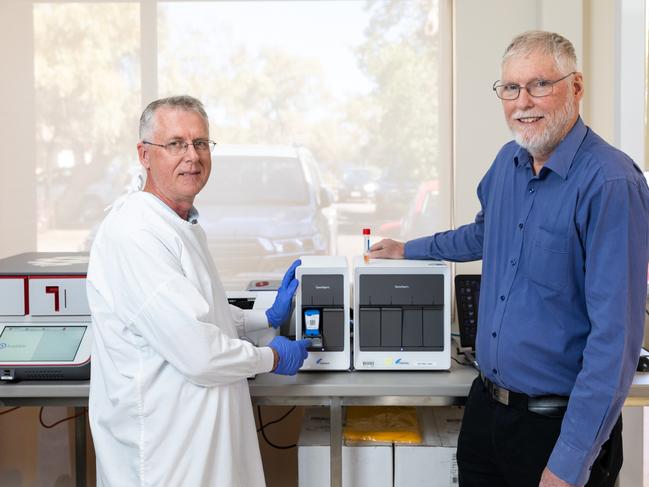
45, 263
396, 263
324, 261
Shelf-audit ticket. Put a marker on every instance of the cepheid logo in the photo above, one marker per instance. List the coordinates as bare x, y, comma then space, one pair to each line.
321, 361
322, 287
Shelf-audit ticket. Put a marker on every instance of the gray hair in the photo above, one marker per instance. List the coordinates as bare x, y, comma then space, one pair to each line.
560, 48
182, 102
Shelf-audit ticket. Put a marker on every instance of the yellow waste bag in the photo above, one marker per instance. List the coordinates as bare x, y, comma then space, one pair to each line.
382, 424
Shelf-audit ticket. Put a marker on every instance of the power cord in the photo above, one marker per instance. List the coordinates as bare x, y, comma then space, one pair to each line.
263, 426
48, 426
9, 410
276, 420
466, 364
40, 417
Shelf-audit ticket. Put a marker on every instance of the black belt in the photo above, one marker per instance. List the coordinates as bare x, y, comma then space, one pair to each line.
551, 406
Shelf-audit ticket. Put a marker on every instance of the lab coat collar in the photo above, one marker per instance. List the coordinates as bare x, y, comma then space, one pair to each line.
192, 215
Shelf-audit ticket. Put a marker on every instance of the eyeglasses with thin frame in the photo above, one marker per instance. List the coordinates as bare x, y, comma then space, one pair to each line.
179, 147
537, 88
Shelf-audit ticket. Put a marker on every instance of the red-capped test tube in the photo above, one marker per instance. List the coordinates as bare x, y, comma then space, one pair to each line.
366, 245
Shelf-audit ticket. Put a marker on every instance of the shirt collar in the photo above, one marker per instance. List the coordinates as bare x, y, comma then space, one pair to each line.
562, 157
192, 216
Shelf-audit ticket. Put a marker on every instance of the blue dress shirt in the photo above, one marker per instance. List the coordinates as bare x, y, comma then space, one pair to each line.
564, 282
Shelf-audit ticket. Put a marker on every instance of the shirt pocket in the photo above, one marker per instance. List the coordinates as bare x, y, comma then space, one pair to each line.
550, 261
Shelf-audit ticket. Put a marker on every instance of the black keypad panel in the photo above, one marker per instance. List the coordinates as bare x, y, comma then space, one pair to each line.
467, 297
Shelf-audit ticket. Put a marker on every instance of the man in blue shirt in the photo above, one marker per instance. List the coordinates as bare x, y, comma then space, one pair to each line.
563, 236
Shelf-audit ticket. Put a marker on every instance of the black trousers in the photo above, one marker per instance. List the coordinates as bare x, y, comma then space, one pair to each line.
504, 446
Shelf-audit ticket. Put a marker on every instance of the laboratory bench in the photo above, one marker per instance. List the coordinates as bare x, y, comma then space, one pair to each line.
330, 389
369, 388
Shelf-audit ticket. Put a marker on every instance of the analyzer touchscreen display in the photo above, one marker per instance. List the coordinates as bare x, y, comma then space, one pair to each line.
40, 343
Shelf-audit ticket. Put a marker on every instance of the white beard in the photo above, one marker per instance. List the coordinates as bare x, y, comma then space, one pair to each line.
544, 142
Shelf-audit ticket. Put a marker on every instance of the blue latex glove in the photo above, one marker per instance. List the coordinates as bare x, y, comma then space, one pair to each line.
291, 354
280, 311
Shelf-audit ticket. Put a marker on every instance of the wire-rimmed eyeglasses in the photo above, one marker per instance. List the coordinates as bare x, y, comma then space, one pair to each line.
179, 147
536, 88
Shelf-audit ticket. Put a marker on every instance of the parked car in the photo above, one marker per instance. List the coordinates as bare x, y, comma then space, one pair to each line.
263, 207
358, 184
395, 190
422, 216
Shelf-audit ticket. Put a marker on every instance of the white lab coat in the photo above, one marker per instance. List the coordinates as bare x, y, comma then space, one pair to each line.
169, 399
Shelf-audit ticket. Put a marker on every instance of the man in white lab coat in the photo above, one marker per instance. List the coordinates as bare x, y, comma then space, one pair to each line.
169, 400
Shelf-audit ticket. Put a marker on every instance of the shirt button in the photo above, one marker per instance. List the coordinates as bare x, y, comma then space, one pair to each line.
502, 297
494, 371
493, 334
531, 190
512, 262
520, 225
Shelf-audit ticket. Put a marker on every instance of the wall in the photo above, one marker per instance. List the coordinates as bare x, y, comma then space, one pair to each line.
599, 35
17, 185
